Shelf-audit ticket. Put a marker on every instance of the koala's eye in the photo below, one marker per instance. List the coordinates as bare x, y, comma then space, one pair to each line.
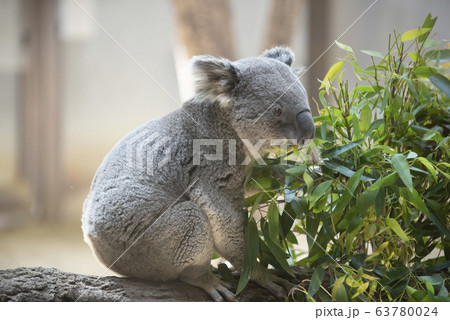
276, 111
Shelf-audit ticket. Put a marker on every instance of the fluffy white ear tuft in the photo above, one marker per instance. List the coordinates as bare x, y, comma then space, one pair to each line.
299, 71
283, 54
215, 78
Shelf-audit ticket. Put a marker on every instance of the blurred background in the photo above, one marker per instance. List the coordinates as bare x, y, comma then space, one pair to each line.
75, 76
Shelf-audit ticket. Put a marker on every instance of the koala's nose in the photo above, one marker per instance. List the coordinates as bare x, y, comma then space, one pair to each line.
305, 124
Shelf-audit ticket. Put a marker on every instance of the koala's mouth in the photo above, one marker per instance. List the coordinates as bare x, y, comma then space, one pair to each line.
302, 142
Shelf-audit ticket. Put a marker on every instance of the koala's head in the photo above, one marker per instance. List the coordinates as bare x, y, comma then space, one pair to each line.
262, 94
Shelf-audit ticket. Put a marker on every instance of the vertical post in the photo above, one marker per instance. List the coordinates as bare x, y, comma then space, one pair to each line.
39, 113
283, 20
318, 43
204, 27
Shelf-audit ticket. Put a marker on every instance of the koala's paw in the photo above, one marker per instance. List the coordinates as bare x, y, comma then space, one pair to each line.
279, 287
218, 290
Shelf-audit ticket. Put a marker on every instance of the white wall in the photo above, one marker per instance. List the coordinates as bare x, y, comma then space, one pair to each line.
106, 94
10, 60
371, 32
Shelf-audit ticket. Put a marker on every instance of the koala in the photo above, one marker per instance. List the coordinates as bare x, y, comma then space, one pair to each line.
171, 192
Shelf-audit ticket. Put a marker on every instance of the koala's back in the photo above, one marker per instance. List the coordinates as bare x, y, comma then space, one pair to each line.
135, 184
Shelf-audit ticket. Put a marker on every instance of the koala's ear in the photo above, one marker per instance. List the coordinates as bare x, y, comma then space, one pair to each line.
283, 54
215, 78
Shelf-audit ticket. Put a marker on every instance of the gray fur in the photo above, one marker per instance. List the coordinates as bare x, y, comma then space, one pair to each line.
166, 225
282, 54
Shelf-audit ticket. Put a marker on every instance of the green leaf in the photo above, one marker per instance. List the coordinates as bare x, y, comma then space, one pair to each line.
442, 83
411, 87
441, 143
366, 118
297, 170
327, 227
323, 130
363, 89
226, 274
415, 198
385, 181
354, 180
311, 230
380, 202
434, 280
394, 274
413, 34
290, 236
443, 55
428, 23
424, 71
266, 183
309, 182
273, 216
443, 292
258, 198
429, 166
393, 224
257, 202
352, 219
415, 295
316, 281
250, 253
373, 53
299, 206
343, 46
340, 149
348, 192
319, 191
277, 252
379, 250
401, 166
429, 43
438, 266
322, 98
411, 155
339, 293
344, 170
331, 74
415, 57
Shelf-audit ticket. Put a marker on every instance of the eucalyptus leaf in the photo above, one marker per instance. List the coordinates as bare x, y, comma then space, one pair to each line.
373, 53
316, 281
425, 71
441, 82
250, 254
435, 279
402, 168
332, 73
393, 224
413, 34
273, 217
343, 46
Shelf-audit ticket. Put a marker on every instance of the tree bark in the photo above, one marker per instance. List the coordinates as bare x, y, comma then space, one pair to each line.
319, 34
50, 284
283, 21
204, 27
39, 116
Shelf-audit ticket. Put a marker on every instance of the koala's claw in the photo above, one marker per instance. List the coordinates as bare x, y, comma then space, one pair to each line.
218, 292
279, 287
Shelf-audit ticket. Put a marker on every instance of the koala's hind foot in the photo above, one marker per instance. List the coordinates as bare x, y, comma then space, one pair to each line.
279, 287
200, 276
